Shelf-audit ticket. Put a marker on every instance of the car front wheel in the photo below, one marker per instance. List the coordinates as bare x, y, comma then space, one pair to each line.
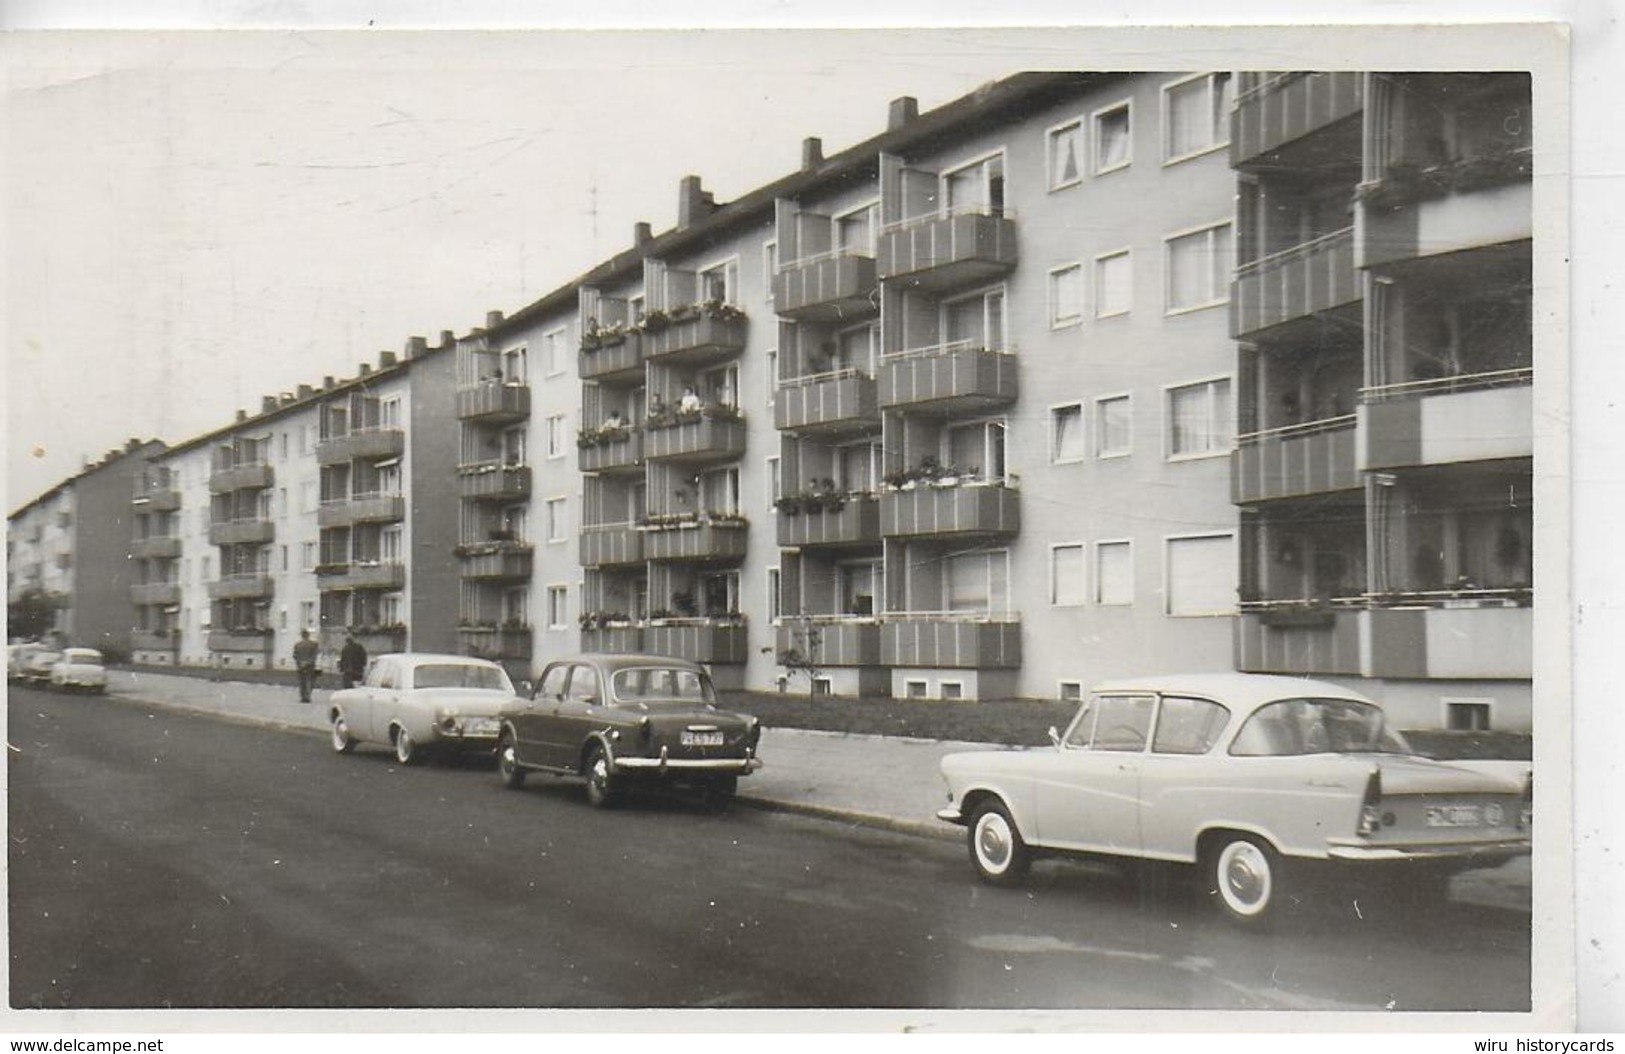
407, 750
513, 777
997, 851
603, 789
343, 741
1247, 876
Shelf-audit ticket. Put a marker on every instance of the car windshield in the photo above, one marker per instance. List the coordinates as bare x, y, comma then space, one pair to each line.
83, 655
642, 684
459, 675
1292, 727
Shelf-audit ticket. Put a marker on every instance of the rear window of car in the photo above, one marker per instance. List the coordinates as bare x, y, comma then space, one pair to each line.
458, 675
1292, 727
84, 655
642, 683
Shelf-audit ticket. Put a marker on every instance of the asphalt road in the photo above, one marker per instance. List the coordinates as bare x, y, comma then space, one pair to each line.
161, 859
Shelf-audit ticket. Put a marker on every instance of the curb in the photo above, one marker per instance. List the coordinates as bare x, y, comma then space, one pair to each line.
849, 817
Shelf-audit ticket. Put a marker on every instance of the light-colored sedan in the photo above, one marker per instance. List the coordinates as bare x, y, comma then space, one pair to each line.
79, 668
419, 702
1241, 774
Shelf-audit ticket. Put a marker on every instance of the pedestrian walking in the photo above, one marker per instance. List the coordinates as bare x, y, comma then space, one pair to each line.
304, 658
352, 660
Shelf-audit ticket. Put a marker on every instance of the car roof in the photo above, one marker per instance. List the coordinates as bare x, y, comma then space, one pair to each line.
82, 651
1243, 690
421, 658
621, 660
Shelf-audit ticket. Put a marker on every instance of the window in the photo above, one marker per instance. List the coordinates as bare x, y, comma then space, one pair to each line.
1467, 715
1066, 433
975, 188
555, 435
284, 556
774, 482
978, 583
515, 361
1196, 115
1188, 726
1066, 581
513, 445
719, 492
389, 412
1114, 573
977, 321
977, 450
773, 610
1114, 147
1070, 691
390, 609
855, 230
770, 266
857, 467
389, 477
1123, 723
307, 496
389, 544
952, 689
1065, 296
823, 686
1065, 160
915, 689
720, 282
307, 614
634, 307
284, 454
1114, 284
282, 503
307, 556
720, 387
859, 585
1199, 419
558, 607
516, 606
1198, 268
772, 377
557, 525
1201, 575
1114, 426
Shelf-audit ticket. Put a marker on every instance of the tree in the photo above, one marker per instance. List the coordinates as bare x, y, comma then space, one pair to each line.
803, 656
32, 614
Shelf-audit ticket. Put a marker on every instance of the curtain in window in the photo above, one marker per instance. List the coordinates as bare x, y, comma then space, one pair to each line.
1113, 129
1069, 433
1202, 575
1064, 156
1116, 421
1066, 575
1114, 573
1113, 285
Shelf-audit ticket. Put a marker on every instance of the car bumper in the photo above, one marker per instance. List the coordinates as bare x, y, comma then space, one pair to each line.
952, 815
1474, 852
737, 766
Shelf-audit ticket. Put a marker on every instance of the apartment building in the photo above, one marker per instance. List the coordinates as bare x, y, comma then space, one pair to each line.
1383, 308
72, 544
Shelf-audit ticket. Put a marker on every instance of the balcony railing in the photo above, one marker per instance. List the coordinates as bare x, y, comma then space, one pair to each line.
154, 640
1280, 108
950, 640
615, 638
855, 522
698, 639
235, 587
143, 593
1463, 637
1470, 204
496, 561
368, 574
1300, 637
361, 508
839, 402
156, 495
615, 358
611, 544
695, 339
494, 402
932, 510
612, 450
696, 438
496, 642
1484, 417
697, 541
828, 287
156, 547
1295, 283
362, 444
829, 640
242, 532
241, 640
957, 378
938, 253
224, 480
1313, 458
493, 481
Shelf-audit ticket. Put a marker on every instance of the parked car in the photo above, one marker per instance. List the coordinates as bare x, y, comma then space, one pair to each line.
79, 668
34, 664
618, 720
1240, 774
421, 702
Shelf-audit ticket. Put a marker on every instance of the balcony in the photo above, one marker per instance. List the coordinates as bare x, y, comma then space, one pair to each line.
361, 508
1298, 637
156, 547
935, 511
941, 253
496, 561
616, 359
1296, 283
241, 640
1483, 417
493, 481
241, 477
618, 639
698, 542
153, 495
611, 450
371, 444
1313, 458
697, 639
372, 574
855, 522
695, 438
144, 593
845, 402
941, 640
1283, 107
494, 402
1439, 636
242, 532
826, 288
611, 544
948, 379
830, 640
496, 642
242, 587
153, 640
695, 339
1413, 213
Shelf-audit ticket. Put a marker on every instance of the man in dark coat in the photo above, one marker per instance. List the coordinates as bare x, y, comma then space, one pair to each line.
352, 660
304, 658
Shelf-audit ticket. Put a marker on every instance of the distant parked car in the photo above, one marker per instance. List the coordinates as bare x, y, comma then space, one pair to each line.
80, 668
34, 664
418, 702
620, 720
1240, 774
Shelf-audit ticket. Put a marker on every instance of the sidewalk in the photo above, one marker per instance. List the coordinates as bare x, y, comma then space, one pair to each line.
865, 781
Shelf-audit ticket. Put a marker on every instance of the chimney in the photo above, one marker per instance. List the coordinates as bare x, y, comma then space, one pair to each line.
642, 234
306, 391
416, 346
328, 383
131, 444
267, 403
365, 368
493, 319
386, 359
693, 202
288, 398
447, 338
903, 111
812, 153
242, 415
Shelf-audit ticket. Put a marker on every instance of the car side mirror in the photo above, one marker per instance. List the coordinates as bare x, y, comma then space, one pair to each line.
1054, 738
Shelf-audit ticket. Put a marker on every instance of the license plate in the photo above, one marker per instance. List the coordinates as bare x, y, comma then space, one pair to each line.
480, 726
1454, 816
700, 739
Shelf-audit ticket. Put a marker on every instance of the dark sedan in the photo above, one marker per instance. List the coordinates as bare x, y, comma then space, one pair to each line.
619, 720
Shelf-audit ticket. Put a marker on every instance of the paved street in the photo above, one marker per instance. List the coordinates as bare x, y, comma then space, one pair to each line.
161, 858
